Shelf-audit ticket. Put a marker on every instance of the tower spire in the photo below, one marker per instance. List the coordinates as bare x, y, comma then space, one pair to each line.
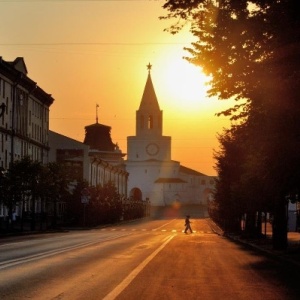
97, 106
149, 101
149, 66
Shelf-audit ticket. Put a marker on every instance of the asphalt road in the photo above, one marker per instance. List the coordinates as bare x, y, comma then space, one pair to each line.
143, 260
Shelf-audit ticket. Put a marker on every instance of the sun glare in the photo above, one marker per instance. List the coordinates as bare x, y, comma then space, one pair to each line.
185, 86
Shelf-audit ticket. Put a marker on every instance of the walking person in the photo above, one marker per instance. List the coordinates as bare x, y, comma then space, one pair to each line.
188, 224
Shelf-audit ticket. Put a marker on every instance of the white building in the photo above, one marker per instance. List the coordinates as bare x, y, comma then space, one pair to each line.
152, 172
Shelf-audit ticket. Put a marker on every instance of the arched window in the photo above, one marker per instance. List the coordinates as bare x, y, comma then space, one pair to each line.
150, 122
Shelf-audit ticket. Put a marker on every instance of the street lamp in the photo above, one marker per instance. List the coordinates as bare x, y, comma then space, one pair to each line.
2, 108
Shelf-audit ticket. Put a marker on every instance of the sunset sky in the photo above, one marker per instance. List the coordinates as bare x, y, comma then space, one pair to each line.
95, 52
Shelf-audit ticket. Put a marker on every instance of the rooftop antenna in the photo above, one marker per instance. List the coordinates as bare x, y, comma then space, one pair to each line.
97, 106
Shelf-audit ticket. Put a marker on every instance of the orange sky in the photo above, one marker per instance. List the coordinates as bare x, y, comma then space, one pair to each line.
95, 52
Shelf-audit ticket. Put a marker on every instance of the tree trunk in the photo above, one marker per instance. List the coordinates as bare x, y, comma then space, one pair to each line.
54, 220
279, 237
250, 226
23, 213
32, 223
259, 224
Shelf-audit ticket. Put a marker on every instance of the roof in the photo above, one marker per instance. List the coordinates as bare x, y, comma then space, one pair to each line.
97, 125
16, 71
190, 171
149, 100
98, 137
19, 64
169, 180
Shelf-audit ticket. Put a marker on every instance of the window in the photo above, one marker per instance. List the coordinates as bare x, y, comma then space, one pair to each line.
150, 122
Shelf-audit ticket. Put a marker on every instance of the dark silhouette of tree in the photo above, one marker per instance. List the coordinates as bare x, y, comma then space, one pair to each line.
105, 204
250, 49
57, 188
74, 206
23, 181
5, 192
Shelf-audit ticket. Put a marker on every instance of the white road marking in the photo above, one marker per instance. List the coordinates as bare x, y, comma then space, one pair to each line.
48, 253
119, 288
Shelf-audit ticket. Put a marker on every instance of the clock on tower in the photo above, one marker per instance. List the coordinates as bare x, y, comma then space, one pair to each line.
152, 149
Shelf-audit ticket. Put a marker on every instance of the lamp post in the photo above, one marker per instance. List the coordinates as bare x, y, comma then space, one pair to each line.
2, 107
85, 198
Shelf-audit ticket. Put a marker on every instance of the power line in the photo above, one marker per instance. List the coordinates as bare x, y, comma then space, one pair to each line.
11, 1
91, 43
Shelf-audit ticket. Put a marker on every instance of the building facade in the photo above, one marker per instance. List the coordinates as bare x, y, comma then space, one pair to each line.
160, 179
24, 115
91, 160
107, 160
24, 118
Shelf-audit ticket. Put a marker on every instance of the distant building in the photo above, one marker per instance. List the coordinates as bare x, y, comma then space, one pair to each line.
98, 137
152, 172
24, 115
73, 154
97, 160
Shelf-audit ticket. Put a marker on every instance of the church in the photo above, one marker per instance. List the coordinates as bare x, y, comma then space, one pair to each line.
153, 175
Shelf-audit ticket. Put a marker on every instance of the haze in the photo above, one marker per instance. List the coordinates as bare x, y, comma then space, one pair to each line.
95, 52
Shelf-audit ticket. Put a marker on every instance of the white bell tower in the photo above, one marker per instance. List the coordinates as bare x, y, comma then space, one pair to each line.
149, 143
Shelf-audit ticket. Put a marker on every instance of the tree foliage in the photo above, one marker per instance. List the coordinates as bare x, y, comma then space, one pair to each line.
28, 181
105, 206
250, 50
248, 47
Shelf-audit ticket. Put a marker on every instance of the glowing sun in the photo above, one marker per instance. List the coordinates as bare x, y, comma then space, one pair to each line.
185, 86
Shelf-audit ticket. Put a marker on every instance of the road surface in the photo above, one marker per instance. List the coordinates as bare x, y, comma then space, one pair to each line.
144, 260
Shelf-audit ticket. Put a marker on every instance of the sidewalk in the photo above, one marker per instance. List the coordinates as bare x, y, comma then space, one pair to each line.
291, 255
